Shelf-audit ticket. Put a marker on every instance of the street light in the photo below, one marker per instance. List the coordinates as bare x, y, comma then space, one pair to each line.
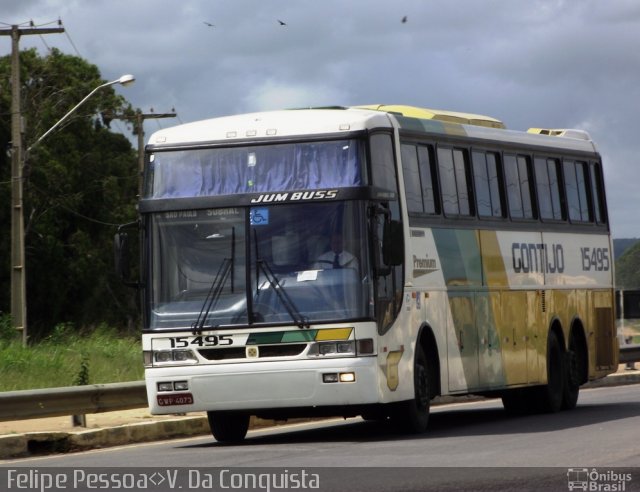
18, 274
124, 80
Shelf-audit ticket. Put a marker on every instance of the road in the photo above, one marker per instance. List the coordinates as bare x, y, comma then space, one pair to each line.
465, 443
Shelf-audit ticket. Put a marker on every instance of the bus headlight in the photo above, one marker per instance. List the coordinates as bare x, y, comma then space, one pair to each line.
343, 348
184, 356
333, 349
163, 356
174, 356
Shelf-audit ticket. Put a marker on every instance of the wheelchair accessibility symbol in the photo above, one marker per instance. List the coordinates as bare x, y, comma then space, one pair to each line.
259, 216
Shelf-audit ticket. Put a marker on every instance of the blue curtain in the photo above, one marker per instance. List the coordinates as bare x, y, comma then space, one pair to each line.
228, 171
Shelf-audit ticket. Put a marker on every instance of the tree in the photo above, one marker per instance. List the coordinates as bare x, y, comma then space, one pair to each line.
628, 269
80, 182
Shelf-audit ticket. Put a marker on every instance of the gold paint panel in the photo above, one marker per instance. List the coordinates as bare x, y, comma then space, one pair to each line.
393, 359
334, 334
495, 274
512, 332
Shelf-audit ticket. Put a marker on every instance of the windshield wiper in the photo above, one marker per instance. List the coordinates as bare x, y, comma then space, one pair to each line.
217, 286
300, 320
278, 288
212, 297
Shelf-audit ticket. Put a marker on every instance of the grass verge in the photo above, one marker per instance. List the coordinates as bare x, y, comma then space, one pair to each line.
68, 358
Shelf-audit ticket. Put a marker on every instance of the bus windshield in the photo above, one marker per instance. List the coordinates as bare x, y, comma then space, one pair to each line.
277, 264
256, 168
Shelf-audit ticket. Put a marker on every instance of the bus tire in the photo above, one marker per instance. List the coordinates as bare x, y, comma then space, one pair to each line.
228, 427
574, 360
552, 393
412, 416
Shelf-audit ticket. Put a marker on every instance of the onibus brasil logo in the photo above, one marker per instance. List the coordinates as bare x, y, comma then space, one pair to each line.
594, 480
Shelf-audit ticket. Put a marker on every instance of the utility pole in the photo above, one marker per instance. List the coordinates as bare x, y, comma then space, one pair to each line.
18, 273
139, 126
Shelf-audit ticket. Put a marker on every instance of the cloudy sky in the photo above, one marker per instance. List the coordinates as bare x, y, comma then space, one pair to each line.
530, 63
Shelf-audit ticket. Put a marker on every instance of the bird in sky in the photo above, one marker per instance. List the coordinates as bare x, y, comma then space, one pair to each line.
282, 23
208, 24
404, 19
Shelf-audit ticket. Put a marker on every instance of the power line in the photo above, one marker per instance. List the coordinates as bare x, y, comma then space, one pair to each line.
66, 32
30, 23
73, 44
45, 44
57, 202
26, 23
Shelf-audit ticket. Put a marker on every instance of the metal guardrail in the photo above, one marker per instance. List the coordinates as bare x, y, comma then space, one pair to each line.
98, 398
73, 400
628, 353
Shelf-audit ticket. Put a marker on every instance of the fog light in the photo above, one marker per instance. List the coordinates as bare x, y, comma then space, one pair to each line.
180, 385
331, 377
347, 377
165, 386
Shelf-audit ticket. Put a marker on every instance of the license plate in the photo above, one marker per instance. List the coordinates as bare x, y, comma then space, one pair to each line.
177, 399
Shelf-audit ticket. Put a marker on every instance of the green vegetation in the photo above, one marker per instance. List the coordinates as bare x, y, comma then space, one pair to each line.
79, 184
628, 269
630, 330
68, 358
621, 245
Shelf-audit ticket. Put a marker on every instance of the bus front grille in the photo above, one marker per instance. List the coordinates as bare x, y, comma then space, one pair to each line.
282, 350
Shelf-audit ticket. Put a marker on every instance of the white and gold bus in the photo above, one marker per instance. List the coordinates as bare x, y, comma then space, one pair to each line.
363, 260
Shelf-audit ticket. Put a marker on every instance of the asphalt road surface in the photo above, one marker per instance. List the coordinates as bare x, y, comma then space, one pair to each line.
469, 446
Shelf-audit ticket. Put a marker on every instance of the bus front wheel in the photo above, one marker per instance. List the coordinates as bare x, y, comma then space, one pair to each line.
228, 427
413, 415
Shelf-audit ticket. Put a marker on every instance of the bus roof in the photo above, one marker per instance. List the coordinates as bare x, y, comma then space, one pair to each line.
283, 123
438, 114
336, 120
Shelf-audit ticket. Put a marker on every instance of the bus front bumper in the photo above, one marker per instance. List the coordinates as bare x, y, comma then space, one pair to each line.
263, 385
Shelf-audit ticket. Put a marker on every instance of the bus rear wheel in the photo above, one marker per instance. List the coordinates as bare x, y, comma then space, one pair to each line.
575, 369
413, 415
552, 394
228, 427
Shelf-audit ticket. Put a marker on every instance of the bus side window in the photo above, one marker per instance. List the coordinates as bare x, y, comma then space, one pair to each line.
548, 188
412, 186
382, 162
389, 282
575, 176
597, 192
453, 181
487, 184
428, 180
418, 179
518, 182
